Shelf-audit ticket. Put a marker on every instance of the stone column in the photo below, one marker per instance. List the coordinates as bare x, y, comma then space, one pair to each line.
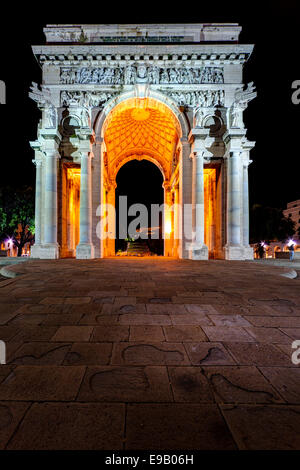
38, 209
97, 196
167, 219
176, 220
49, 249
245, 206
233, 199
50, 139
198, 250
50, 235
111, 219
85, 248
248, 251
185, 199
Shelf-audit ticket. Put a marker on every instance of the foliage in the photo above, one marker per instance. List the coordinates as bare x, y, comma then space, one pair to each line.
17, 216
269, 224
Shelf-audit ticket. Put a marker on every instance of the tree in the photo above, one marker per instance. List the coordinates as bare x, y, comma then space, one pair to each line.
17, 216
269, 223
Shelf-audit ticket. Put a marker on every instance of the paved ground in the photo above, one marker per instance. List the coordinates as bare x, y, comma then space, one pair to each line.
149, 354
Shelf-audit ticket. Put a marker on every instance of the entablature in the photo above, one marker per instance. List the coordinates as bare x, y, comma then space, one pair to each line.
161, 55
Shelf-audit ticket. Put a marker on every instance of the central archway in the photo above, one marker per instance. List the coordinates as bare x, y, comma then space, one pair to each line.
143, 129
139, 182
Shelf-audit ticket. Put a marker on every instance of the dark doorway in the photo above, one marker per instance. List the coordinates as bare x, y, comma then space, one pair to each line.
141, 181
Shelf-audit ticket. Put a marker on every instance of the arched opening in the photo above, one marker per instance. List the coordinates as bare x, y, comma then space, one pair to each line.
142, 129
139, 187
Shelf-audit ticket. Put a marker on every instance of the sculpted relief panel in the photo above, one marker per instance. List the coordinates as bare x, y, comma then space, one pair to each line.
131, 74
205, 99
87, 99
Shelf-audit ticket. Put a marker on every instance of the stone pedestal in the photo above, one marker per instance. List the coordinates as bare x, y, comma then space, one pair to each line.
238, 252
46, 251
85, 251
197, 251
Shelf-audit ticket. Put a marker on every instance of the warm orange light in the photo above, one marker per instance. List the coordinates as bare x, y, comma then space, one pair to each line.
73, 172
139, 114
140, 126
168, 227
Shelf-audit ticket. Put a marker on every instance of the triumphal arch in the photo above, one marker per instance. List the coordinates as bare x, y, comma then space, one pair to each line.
172, 94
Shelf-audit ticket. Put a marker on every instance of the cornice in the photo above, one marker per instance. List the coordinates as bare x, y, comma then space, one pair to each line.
161, 54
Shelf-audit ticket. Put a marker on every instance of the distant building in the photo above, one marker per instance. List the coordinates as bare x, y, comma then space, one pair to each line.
293, 211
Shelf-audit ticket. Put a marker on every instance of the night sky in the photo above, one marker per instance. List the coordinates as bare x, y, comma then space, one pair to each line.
272, 120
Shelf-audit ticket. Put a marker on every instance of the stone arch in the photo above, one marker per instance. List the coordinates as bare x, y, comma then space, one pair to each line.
101, 116
142, 156
132, 127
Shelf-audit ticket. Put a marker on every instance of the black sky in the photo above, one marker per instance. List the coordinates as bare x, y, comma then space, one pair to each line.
272, 120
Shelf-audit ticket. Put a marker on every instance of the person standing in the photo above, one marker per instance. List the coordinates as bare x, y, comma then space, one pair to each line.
292, 251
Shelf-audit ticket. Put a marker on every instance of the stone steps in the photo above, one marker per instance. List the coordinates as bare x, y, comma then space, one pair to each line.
138, 248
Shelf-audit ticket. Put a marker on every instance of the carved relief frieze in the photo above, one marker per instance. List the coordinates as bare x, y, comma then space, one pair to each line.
85, 99
132, 74
203, 98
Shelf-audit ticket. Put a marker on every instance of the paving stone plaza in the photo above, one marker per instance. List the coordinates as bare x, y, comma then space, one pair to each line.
148, 353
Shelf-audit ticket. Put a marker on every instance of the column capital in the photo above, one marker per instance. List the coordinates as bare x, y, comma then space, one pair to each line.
236, 140
51, 153
82, 141
85, 153
50, 141
246, 163
200, 153
35, 145
37, 162
201, 140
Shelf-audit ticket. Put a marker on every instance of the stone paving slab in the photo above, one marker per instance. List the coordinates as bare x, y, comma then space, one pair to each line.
30, 383
71, 426
122, 384
242, 384
208, 353
146, 353
149, 354
11, 414
147, 333
176, 426
40, 353
258, 354
88, 354
190, 385
258, 427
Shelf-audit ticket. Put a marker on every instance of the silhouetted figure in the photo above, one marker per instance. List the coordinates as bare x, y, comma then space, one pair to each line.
292, 251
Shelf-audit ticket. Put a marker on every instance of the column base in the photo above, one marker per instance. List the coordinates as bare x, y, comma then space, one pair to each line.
238, 252
197, 251
35, 251
45, 251
85, 251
